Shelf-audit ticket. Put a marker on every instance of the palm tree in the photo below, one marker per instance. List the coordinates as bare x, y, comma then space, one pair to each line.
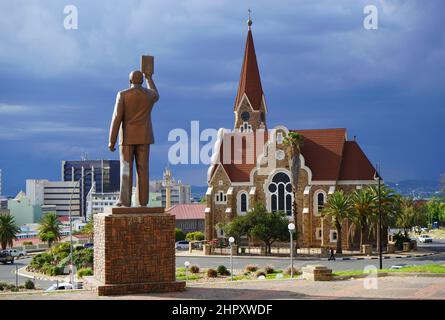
390, 206
8, 230
49, 229
294, 141
339, 207
364, 202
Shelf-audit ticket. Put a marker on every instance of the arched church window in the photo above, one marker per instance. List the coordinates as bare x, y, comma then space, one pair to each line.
280, 190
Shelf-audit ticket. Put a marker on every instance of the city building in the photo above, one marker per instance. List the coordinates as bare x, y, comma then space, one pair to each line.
58, 196
104, 173
189, 217
251, 165
23, 211
96, 201
172, 191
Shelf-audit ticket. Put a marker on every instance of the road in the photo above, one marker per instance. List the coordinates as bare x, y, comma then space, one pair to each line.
282, 263
7, 274
7, 271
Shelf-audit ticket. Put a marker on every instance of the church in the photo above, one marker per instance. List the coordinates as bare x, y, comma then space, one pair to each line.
250, 165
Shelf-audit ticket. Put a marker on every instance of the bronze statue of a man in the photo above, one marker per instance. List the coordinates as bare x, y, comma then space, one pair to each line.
132, 119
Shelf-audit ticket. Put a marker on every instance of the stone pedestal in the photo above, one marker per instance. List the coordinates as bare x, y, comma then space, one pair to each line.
134, 252
391, 247
207, 249
406, 246
367, 249
316, 273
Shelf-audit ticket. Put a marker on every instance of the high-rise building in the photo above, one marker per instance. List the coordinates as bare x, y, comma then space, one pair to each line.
179, 193
104, 173
23, 210
60, 196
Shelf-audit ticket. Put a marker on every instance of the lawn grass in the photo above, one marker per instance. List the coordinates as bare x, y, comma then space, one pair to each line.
427, 268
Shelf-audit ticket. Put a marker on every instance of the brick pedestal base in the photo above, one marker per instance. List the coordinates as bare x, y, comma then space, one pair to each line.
316, 273
134, 252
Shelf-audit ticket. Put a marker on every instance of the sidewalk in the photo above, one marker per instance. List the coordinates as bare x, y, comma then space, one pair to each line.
417, 287
397, 255
38, 276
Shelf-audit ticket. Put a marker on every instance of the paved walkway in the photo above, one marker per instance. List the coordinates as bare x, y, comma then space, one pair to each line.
397, 255
388, 288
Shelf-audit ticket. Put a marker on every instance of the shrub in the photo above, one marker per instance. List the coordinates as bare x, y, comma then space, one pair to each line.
29, 284
84, 272
222, 270
399, 239
27, 243
251, 268
195, 236
83, 258
260, 273
194, 269
179, 234
288, 271
212, 273
269, 269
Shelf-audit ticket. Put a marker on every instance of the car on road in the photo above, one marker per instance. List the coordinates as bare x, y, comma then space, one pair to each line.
425, 238
64, 286
17, 253
88, 245
182, 245
5, 257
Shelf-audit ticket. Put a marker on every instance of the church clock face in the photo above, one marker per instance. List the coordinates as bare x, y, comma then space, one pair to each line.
245, 116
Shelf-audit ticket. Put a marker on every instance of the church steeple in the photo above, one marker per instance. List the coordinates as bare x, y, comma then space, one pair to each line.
250, 86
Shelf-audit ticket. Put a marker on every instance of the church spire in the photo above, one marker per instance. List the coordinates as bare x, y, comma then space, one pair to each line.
250, 81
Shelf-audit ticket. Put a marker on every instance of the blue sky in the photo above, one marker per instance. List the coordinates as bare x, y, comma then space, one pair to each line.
320, 69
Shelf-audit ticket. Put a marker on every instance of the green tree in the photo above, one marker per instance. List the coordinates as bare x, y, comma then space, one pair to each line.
195, 236
339, 207
435, 210
179, 234
88, 229
294, 142
237, 228
8, 230
49, 229
390, 207
364, 202
267, 227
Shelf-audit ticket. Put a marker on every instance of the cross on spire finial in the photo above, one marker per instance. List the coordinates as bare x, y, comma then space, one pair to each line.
249, 22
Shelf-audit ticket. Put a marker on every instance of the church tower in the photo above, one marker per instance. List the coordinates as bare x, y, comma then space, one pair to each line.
250, 107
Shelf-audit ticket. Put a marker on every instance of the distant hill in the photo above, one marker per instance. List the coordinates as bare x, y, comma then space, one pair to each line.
198, 192
419, 189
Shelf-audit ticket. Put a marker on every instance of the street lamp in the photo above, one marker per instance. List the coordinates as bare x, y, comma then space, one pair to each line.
379, 230
291, 228
77, 184
231, 242
187, 265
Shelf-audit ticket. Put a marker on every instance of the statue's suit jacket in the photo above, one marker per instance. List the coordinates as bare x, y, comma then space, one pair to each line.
132, 116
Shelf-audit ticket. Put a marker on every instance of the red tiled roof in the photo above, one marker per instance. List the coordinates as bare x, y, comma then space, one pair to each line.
326, 152
188, 211
250, 81
322, 151
355, 164
239, 172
